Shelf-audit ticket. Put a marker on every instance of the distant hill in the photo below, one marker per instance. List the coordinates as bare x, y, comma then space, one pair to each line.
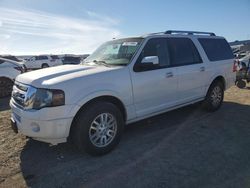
237, 42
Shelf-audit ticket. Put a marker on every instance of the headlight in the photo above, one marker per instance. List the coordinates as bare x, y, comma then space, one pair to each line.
40, 98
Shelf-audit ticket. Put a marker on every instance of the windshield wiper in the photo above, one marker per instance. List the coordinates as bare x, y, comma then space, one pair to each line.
101, 63
119, 64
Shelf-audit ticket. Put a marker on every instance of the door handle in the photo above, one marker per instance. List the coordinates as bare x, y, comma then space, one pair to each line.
202, 69
169, 75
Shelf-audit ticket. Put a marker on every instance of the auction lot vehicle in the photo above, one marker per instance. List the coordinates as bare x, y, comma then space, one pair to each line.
71, 60
43, 61
243, 72
9, 70
123, 81
11, 57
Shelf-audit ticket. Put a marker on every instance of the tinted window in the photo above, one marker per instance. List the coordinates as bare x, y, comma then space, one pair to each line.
41, 57
156, 47
183, 52
54, 57
216, 49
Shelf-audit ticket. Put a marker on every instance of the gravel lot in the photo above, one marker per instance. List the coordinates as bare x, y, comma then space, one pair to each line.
183, 148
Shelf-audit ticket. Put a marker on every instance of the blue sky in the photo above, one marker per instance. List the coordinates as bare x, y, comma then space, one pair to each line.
80, 26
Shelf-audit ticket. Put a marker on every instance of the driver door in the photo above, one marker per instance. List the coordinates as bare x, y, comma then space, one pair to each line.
154, 86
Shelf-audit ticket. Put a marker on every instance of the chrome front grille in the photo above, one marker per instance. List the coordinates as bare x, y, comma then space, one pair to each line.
19, 94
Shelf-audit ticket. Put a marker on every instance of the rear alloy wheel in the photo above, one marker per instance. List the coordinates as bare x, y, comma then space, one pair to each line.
214, 97
6, 86
98, 128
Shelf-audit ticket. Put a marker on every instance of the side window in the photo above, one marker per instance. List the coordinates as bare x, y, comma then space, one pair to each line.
54, 57
216, 49
41, 57
155, 47
44, 57
183, 52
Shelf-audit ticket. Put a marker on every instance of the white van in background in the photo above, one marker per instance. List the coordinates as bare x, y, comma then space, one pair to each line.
43, 61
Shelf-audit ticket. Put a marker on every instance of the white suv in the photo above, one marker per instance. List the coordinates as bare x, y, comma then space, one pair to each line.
123, 81
43, 61
9, 70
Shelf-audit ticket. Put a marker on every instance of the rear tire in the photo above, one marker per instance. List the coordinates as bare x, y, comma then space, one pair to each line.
89, 133
45, 65
6, 86
214, 97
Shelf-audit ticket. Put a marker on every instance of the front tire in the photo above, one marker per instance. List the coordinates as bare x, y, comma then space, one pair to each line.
98, 128
6, 86
214, 97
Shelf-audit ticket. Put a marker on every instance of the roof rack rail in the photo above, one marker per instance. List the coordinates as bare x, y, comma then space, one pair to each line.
189, 32
157, 33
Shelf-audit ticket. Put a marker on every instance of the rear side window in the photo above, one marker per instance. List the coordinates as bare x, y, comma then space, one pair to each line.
183, 52
41, 57
216, 49
54, 57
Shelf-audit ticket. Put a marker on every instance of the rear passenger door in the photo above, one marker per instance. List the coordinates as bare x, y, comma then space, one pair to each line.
190, 69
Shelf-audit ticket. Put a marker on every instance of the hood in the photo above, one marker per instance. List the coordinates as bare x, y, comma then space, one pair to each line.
45, 78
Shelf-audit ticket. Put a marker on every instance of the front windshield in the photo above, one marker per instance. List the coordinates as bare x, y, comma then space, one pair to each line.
116, 52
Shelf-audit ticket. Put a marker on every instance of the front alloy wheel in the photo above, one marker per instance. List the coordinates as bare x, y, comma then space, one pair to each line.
97, 128
103, 130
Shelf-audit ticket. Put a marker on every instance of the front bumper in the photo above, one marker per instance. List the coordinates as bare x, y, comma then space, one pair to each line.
51, 125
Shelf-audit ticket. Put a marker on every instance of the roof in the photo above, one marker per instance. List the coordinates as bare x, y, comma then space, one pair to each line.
179, 32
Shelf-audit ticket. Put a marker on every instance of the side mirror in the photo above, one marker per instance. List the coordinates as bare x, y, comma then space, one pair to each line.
150, 60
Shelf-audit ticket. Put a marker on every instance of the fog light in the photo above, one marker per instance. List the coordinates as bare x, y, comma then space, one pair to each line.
35, 127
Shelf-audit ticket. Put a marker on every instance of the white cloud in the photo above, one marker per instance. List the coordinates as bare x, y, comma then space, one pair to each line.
35, 32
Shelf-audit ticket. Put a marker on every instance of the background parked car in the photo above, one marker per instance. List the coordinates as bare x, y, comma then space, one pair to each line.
71, 60
11, 57
43, 61
9, 69
245, 58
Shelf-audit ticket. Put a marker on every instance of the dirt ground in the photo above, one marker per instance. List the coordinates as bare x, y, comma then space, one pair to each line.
183, 148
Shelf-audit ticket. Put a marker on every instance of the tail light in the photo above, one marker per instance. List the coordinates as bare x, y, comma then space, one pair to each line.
235, 65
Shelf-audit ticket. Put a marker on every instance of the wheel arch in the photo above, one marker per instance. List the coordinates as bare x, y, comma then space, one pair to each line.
219, 78
44, 64
5, 77
103, 98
